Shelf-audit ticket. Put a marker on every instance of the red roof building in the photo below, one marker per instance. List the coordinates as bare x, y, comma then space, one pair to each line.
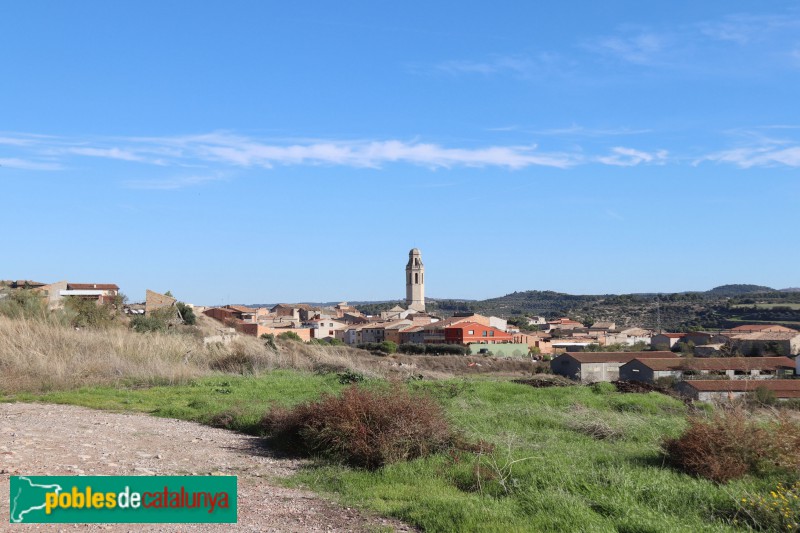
472, 332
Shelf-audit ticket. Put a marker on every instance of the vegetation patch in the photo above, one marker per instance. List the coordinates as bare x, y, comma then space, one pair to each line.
362, 427
731, 444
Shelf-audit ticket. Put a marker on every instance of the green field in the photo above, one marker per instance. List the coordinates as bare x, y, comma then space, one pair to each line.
547, 472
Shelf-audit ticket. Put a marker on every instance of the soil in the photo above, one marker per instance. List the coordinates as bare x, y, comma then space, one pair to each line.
41, 439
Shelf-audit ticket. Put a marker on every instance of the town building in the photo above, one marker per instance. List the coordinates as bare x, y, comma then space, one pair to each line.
726, 390
472, 332
590, 367
649, 370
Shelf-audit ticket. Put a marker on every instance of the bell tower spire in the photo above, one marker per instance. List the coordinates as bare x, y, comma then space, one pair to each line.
415, 281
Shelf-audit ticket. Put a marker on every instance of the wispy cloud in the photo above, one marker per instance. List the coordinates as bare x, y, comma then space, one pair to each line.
642, 48
170, 184
744, 28
110, 153
24, 164
580, 131
629, 157
761, 156
524, 65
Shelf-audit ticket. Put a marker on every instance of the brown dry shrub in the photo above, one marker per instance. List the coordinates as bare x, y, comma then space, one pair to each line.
732, 444
362, 427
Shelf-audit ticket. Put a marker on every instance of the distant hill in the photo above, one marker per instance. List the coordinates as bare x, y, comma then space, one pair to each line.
738, 290
790, 289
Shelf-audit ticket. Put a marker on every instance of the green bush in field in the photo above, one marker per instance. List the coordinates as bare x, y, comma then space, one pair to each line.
290, 336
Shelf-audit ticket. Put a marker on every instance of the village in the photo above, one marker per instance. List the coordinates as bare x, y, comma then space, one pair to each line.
701, 365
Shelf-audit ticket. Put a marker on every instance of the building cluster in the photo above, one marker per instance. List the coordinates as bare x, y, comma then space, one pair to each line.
55, 293
704, 365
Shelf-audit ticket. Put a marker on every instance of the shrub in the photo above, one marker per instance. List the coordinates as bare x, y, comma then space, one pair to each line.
388, 347
762, 396
731, 445
187, 314
269, 340
411, 348
363, 428
88, 313
603, 387
349, 376
23, 303
290, 336
144, 324
445, 349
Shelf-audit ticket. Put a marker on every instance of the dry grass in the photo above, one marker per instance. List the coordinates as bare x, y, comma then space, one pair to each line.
40, 355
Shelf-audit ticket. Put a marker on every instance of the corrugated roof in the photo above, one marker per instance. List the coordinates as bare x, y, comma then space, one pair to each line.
718, 363
616, 357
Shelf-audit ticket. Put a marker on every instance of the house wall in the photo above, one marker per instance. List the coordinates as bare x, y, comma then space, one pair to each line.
500, 350
636, 371
566, 366
594, 372
662, 342
257, 330
371, 335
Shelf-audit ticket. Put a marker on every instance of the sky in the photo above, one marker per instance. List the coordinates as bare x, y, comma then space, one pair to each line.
262, 152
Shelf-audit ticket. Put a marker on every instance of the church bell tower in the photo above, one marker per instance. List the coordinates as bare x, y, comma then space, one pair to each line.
415, 281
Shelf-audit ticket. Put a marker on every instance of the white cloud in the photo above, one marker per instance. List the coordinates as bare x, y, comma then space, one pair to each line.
242, 151
110, 153
640, 49
629, 157
764, 156
24, 164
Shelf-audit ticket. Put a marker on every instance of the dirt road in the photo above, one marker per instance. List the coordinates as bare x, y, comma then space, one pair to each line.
39, 439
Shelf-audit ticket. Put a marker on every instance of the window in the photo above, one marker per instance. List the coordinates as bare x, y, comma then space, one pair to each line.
416, 278
491, 333
470, 332
483, 334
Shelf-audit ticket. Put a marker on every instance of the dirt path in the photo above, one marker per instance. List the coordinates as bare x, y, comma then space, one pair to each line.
40, 439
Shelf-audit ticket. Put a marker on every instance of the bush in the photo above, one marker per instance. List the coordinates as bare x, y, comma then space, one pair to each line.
187, 314
363, 428
762, 396
144, 324
731, 445
446, 349
290, 336
349, 376
603, 387
269, 340
88, 313
411, 348
23, 303
388, 347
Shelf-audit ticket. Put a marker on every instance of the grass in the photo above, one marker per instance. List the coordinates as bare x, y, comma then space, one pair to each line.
547, 472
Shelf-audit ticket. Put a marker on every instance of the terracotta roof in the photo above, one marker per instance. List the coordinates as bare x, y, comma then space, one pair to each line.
766, 336
241, 308
783, 388
759, 327
673, 335
92, 286
616, 357
718, 363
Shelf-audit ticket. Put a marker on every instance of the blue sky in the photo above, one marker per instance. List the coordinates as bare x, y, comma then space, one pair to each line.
295, 151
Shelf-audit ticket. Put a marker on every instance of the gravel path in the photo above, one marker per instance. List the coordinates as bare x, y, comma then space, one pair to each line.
41, 439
